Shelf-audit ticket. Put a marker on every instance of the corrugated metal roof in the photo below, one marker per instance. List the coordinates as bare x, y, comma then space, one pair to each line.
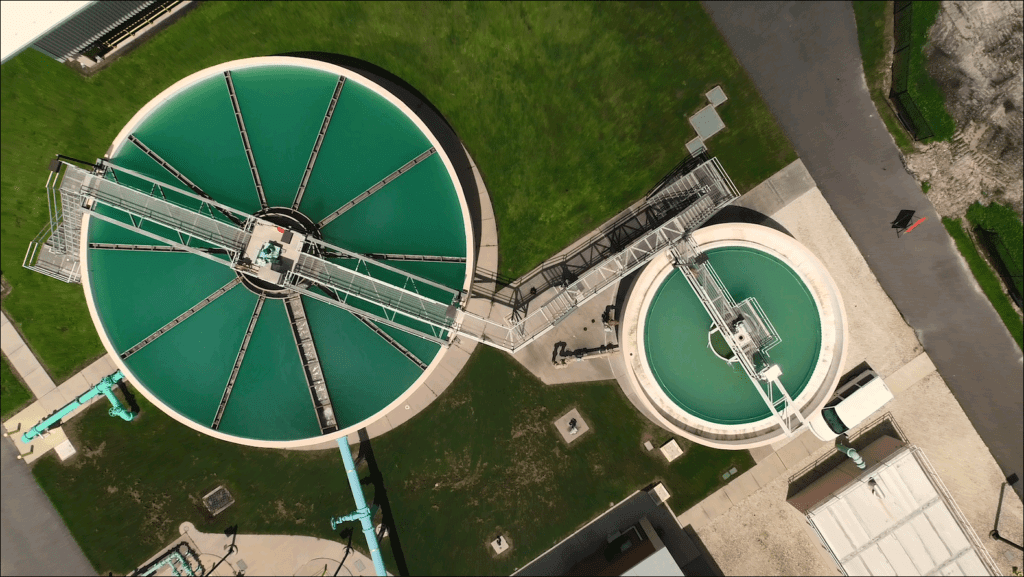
87, 26
23, 22
895, 521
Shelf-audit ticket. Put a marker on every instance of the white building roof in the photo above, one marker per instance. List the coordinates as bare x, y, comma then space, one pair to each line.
22, 23
895, 521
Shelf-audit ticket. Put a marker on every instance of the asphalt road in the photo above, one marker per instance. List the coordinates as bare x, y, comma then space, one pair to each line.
805, 61
33, 538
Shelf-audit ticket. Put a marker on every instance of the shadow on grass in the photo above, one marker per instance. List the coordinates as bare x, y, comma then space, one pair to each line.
380, 497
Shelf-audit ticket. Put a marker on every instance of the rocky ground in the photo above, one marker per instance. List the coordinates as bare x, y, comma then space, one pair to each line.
976, 55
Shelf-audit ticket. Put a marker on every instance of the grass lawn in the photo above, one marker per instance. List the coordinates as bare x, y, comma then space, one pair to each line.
13, 393
571, 110
486, 456
1006, 224
131, 485
986, 277
874, 34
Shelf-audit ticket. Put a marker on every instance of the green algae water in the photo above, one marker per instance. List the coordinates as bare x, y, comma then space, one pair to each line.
689, 372
137, 292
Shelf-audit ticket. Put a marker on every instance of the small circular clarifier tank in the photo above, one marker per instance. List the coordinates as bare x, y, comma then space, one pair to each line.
339, 159
684, 376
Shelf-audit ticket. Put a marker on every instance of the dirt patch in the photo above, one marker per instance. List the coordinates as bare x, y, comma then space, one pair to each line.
975, 54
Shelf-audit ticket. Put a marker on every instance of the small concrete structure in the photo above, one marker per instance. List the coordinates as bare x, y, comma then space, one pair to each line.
659, 493
563, 426
500, 544
671, 450
649, 445
694, 146
706, 122
65, 450
716, 96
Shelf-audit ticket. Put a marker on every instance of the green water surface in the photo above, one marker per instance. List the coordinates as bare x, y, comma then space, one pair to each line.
676, 337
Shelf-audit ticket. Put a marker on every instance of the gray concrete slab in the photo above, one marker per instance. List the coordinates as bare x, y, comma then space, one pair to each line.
33, 537
695, 517
741, 487
802, 56
10, 340
768, 470
74, 386
53, 401
716, 503
792, 453
37, 380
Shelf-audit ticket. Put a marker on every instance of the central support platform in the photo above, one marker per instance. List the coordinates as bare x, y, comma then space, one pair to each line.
270, 254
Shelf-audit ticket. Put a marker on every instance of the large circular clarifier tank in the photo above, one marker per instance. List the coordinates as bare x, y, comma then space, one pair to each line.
679, 374
421, 211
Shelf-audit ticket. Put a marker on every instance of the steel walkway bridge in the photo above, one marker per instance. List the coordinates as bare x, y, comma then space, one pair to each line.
189, 220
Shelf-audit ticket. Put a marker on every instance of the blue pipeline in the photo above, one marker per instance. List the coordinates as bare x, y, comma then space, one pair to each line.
362, 513
104, 387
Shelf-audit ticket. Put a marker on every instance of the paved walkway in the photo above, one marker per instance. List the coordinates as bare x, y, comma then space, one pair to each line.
804, 59
49, 397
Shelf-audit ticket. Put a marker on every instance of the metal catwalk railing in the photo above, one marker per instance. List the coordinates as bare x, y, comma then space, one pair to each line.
54, 251
745, 328
709, 189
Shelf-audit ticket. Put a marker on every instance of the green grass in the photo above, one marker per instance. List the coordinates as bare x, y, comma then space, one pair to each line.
986, 277
926, 186
925, 92
571, 110
486, 456
874, 34
13, 393
131, 485
1006, 224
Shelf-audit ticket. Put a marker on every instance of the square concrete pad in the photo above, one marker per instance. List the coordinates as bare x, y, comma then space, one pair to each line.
562, 425
671, 450
706, 122
694, 146
659, 493
716, 96
500, 547
65, 450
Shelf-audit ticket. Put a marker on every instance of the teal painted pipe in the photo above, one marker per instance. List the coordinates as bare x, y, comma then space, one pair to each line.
362, 513
853, 454
104, 387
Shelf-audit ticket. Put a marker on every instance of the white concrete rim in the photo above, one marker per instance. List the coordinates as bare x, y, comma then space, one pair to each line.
187, 82
831, 314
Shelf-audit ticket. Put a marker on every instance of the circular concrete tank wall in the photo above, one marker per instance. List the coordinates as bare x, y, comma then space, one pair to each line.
679, 378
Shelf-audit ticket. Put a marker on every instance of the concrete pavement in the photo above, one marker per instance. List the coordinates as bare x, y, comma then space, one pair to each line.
804, 58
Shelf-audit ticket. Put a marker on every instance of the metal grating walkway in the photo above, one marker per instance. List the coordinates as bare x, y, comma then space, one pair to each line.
310, 363
706, 189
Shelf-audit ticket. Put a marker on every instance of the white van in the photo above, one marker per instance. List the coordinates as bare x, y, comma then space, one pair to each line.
854, 402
